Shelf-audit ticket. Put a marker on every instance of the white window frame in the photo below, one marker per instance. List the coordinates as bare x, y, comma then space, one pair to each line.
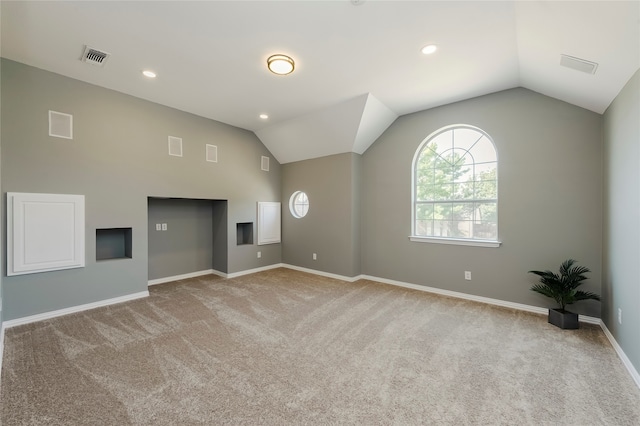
293, 202
477, 242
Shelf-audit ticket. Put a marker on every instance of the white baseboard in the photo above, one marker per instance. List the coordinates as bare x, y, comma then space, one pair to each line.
73, 309
1, 347
458, 295
481, 299
321, 273
252, 271
182, 277
623, 357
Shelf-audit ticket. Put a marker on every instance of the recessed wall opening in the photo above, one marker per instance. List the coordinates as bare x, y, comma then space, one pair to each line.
244, 233
114, 243
186, 236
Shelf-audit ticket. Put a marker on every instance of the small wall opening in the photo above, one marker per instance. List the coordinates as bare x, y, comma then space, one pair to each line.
244, 233
113, 243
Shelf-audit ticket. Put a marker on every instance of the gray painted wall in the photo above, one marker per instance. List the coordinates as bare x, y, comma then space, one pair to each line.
2, 251
117, 159
621, 265
331, 226
550, 198
188, 243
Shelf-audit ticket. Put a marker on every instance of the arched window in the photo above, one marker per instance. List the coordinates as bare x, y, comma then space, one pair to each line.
455, 187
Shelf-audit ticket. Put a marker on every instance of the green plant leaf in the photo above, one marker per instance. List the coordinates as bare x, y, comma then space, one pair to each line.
562, 287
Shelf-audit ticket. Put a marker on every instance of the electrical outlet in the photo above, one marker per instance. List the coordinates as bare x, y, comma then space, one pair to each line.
315, 256
467, 275
164, 226
158, 227
620, 316
259, 254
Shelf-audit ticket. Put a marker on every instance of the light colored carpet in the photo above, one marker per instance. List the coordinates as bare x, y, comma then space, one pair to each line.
285, 347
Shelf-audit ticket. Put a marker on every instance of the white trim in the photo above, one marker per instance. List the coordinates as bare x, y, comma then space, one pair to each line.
252, 271
623, 357
180, 277
589, 320
474, 298
324, 274
458, 295
1, 348
218, 273
72, 310
455, 241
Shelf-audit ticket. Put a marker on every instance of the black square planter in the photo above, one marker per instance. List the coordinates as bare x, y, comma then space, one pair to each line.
565, 320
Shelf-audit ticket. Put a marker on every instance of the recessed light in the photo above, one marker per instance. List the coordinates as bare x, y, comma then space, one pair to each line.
148, 73
429, 49
280, 64
264, 116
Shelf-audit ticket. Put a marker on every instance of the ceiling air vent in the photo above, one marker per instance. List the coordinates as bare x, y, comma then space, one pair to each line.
578, 64
94, 56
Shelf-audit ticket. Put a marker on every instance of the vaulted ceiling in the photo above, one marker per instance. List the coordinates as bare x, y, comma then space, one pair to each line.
358, 62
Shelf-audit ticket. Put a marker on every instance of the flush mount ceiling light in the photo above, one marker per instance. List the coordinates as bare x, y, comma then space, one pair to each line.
280, 64
264, 116
148, 73
429, 49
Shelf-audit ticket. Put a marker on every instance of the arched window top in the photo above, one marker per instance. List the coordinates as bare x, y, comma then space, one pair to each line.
455, 186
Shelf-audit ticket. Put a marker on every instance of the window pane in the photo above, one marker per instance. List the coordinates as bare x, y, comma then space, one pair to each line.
483, 151
301, 209
424, 228
462, 172
486, 190
450, 157
461, 229
441, 228
442, 211
465, 138
427, 193
442, 142
486, 171
463, 191
425, 176
462, 211
486, 212
443, 192
424, 211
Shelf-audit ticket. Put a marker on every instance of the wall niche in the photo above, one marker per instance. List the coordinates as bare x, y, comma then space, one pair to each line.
113, 243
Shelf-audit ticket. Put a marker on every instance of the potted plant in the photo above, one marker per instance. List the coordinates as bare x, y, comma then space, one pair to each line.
562, 288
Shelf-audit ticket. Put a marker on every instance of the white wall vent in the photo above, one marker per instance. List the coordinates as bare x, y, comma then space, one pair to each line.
60, 125
212, 153
94, 56
175, 146
264, 163
578, 64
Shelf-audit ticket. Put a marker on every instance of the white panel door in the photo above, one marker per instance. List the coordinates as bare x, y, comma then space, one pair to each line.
45, 232
268, 223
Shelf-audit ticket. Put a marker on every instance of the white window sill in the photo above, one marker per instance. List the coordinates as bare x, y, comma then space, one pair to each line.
455, 241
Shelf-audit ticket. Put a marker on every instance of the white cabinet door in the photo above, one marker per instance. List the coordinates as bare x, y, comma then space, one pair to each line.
268, 223
45, 232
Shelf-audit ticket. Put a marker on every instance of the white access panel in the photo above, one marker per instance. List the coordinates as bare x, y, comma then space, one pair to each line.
45, 232
268, 223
